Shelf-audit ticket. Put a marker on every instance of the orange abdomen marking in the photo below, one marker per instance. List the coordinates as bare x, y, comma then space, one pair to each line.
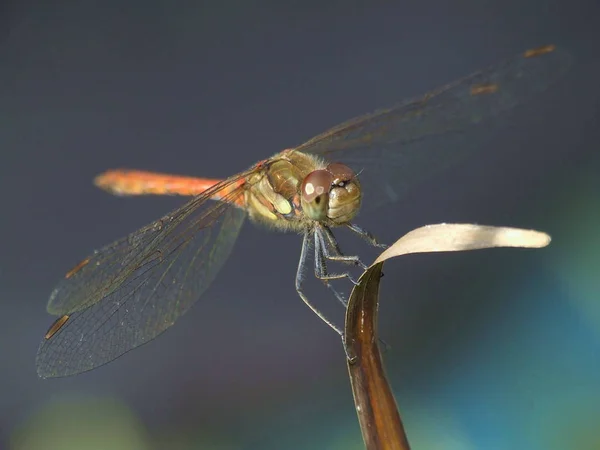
139, 182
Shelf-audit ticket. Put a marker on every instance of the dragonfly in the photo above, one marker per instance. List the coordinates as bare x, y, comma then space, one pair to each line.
127, 293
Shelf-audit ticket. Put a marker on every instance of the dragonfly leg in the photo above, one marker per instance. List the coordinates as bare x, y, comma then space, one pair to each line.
366, 235
337, 254
322, 253
299, 273
321, 272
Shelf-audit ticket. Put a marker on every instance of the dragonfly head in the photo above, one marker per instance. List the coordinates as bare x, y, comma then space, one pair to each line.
331, 194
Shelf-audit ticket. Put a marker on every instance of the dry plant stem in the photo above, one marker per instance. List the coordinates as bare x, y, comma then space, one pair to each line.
376, 407
378, 415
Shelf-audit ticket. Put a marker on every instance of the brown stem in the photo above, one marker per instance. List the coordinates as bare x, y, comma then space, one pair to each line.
377, 411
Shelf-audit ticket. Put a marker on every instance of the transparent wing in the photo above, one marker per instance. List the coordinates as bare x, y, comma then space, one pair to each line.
129, 292
391, 145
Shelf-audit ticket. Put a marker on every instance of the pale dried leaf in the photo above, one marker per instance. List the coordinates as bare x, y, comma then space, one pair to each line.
454, 237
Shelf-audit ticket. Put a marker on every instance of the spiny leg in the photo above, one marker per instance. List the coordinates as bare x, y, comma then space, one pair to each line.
366, 235
299, 273
338, 255
321, 270
352, 260
321, 253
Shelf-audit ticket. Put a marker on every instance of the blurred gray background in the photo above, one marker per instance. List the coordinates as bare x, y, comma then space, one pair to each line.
495, 349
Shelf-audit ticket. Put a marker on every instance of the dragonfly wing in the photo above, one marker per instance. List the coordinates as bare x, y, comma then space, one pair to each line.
392, 145
127, 293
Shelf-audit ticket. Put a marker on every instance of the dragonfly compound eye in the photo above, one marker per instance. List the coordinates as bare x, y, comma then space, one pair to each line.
341, 173
315, 194
345, 194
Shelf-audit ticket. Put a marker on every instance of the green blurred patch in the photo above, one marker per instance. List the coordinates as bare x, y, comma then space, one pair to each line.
76, 423
575, 253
